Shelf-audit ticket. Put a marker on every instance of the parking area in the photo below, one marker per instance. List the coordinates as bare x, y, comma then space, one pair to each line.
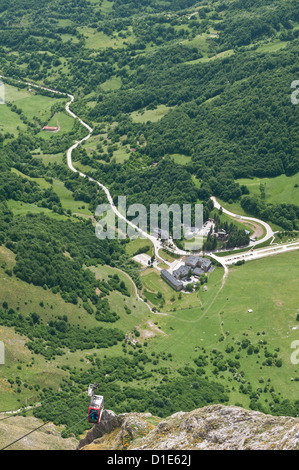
143, 259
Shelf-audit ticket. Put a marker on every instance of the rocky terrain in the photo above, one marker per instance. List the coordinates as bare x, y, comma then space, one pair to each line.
46, 438
214, 427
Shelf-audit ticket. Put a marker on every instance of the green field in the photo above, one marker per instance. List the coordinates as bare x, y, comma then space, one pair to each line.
181, 159
48, 158
272, 46
112, 84
279, 190
118, 302
98, 40
156, 85
61, 120
121, 155
67, 200
22, 208
269, 288
32, 103
9, 121
28, 298
152, 115
65, 195
34, 106
134, 245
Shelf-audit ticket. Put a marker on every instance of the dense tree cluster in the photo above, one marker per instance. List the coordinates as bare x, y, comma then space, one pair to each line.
162, 400
284, 215
42, 245
52, 339
243, 131
242, 31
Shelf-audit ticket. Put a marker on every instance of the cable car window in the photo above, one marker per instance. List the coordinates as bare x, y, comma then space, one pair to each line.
93, 416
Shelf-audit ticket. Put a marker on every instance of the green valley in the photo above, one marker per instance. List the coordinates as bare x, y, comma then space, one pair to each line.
179, 103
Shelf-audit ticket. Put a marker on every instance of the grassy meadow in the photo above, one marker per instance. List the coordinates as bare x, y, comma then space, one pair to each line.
221, 319
279, 190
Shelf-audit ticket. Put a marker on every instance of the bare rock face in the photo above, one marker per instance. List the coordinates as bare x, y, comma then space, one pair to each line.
109, 421
215, 427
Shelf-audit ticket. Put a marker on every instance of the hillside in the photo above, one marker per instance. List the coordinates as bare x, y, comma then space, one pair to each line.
47, 438
186, 100
211, 428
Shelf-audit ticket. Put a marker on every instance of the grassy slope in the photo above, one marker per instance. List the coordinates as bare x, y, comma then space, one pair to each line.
269, 287
270, 282
28, 298
278, 190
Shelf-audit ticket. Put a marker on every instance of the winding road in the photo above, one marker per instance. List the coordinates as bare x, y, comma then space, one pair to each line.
269, 232
225, 261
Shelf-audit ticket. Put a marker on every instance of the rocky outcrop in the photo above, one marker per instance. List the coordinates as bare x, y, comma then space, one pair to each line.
214, 427
109, 422
49, 437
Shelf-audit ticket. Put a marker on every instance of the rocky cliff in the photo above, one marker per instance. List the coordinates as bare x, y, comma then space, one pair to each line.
214, 427
47, 438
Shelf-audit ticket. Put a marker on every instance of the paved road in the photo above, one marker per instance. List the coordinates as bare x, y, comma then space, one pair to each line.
269, 232
224, 261
260, 253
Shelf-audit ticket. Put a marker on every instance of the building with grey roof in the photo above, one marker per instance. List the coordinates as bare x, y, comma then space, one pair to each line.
171, 280
182, 272
206, 264
198, 272
192, 261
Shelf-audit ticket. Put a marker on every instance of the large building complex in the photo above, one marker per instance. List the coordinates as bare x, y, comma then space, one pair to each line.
195, 266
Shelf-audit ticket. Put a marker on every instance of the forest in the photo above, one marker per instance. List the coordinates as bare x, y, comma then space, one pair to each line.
185, 97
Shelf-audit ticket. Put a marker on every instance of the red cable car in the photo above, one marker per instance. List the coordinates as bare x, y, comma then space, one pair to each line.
96, 406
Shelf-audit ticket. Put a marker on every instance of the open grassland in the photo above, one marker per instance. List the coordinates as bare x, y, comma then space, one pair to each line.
152, 115
181, 159
270, 288
99, 40
40, 181
161, 295
67, 200
10, 121
23, 208
272, 46
31, 369
279, 190
97, 145
48, 159
63, 121
34, 107
31, 103
65, 195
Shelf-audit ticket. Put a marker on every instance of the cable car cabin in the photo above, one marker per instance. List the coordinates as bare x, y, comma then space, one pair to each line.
95, 409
